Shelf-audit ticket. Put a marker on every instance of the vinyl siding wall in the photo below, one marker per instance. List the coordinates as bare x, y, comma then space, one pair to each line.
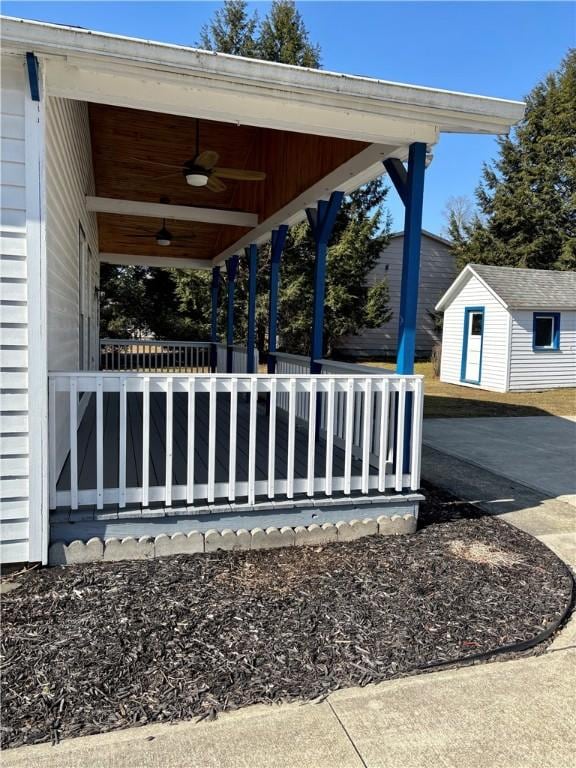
69, 178
437, 272
18, 304
495, 343
542, 370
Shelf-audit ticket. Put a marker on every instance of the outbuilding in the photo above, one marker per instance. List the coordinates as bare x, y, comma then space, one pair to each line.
508, 329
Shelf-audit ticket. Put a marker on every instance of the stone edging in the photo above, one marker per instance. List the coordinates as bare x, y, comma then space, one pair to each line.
146, 547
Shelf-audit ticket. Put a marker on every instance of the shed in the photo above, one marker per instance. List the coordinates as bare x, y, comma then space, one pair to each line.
508, 329
437, 272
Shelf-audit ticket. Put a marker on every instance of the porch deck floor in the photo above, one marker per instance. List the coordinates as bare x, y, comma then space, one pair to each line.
157, 467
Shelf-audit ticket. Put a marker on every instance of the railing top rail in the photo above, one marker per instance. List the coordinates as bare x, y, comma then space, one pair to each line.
288, 356
262, 376
157, 342
368, 369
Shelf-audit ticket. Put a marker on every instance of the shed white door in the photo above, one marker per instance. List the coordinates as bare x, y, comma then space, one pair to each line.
472, 348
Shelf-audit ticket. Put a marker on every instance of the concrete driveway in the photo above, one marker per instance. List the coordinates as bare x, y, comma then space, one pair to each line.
537, 451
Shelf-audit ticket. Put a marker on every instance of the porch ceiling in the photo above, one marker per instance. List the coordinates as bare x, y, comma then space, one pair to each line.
126, 143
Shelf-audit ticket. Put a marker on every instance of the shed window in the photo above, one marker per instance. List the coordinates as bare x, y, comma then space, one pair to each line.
546, 330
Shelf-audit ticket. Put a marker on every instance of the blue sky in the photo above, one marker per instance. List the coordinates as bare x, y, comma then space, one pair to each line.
494, 48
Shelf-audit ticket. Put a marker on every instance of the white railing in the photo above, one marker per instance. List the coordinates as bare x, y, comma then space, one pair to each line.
371, 441
239, 358
158, 355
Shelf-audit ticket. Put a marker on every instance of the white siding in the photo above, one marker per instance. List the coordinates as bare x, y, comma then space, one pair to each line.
542, 370
495, 343
14, 307
69, 178
437, 272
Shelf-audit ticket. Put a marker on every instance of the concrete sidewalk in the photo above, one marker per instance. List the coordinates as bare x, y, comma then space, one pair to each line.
517, 714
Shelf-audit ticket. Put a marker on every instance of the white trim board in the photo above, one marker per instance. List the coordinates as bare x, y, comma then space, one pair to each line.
173, 212
123, 259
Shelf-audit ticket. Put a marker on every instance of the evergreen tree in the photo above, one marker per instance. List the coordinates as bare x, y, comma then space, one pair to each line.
527, 197
361, 229
232, 30
284, 38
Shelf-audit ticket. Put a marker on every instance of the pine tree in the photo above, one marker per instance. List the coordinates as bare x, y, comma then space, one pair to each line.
232, 30
284, 38
527, 197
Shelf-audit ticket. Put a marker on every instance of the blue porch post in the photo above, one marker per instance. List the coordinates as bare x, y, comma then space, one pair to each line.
231, 271
252, 256
321, 222
410, 187
278, 242
214, 318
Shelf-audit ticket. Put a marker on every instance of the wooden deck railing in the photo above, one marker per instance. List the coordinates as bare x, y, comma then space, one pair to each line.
362, 418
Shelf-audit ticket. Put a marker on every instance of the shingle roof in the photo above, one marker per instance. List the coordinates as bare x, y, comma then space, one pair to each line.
530, 288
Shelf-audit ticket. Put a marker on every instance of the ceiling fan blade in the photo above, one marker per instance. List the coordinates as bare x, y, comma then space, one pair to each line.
237, 174
207, 159
154, 162
168, 176
215, 185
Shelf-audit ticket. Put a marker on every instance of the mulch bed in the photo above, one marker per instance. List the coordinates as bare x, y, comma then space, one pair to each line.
92, 648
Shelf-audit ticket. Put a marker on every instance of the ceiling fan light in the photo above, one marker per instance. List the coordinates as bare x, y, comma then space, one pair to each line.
196, 179
163, 241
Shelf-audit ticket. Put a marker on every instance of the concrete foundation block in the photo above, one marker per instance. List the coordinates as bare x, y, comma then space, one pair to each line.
129, 549
258, 538
57, 553
227, 540
315, 534
356, 529
279, 537
243, 539
178, 544
89, 552
396, 525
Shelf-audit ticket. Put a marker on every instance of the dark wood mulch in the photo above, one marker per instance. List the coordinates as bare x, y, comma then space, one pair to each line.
92, 648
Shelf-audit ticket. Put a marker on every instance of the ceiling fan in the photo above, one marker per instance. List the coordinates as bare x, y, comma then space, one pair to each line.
202, 170
163, 236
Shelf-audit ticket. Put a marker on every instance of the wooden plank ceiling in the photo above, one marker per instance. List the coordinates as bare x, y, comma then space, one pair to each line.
123, 139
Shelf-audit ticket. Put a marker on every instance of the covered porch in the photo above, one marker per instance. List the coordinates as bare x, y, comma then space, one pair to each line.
165, 156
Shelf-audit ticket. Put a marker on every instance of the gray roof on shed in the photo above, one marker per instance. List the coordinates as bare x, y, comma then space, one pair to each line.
530, 288
520, 288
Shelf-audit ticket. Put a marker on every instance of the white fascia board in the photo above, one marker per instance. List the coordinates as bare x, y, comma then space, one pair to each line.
447, 110
134, 260
362, 168
467, 273
262, 106
173, 212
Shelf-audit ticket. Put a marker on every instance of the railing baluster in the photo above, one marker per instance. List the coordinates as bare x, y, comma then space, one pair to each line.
191, 434
312, 434
99, 443
366, 434
232, 439
169, 439
291, 439
122, 444
73, 409
383, 447
212, 440
400, 435
52, 443
416, 438
272, 437
252, 440
330, 435
349, 436
146, 441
